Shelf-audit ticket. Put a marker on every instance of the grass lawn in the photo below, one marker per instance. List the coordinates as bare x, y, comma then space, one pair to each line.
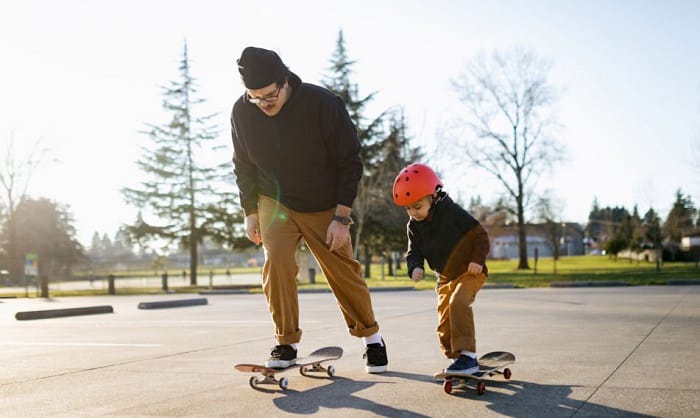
590, 268
578, 268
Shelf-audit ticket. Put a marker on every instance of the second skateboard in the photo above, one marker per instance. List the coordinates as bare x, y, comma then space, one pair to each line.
490, 364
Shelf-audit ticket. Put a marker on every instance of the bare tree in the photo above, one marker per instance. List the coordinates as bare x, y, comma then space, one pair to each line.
507, 113
549, 211
15, 175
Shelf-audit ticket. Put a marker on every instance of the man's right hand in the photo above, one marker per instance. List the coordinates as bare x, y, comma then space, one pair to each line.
252, 228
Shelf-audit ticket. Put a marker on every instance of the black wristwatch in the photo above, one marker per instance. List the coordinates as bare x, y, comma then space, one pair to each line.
345, 220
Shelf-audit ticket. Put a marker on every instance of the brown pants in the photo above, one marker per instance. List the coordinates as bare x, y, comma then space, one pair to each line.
455, 317
282, 229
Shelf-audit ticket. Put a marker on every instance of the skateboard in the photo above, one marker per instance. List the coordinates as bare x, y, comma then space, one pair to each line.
490, 364
308, 364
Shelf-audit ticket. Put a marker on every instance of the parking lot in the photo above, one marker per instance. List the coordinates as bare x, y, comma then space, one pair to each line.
581, 352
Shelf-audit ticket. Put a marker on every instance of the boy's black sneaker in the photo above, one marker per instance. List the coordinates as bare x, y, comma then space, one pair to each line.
376, 358
463, 365
281, 356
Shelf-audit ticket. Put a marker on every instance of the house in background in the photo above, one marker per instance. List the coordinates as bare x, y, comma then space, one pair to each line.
690, 245
504, 240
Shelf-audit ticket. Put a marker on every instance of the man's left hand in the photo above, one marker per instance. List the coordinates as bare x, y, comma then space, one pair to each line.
474, 268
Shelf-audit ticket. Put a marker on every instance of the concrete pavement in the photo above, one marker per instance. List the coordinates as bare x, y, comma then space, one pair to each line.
581, 352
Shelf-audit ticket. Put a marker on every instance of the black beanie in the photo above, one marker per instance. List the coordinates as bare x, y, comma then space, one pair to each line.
260, 67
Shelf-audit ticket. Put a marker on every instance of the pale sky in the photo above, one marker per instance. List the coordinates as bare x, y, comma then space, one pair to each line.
84, 78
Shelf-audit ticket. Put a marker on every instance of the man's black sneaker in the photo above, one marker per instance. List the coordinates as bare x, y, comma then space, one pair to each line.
282, 356
463, 365
376, 358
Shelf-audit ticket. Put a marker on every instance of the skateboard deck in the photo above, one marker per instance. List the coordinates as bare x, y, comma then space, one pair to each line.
309, 364
490, 364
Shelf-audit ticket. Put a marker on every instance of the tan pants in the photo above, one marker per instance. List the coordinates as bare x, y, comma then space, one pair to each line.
282, 229
455, 317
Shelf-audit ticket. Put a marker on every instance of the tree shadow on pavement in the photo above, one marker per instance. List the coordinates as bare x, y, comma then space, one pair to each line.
338, 395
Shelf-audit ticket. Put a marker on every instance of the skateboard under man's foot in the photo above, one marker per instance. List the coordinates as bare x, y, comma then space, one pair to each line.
490, 364
309, 364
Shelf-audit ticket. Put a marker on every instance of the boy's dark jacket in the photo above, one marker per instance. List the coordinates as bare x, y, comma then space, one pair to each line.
449, 239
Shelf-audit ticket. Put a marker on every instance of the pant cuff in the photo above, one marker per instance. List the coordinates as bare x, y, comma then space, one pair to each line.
288, 339
364, 332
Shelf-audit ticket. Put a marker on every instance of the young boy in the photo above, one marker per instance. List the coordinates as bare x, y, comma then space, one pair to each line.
455, 246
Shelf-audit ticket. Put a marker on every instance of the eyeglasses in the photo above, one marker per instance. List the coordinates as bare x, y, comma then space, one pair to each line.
267, 99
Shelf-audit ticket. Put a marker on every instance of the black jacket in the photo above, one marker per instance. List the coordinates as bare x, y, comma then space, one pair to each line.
306, 156
449, 239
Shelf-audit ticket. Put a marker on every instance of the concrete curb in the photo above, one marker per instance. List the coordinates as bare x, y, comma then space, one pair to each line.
224, 292
55, 313
590, 283
683, 282
173, 303
391, 288
324, 290
371, 289
231, 290
488, 285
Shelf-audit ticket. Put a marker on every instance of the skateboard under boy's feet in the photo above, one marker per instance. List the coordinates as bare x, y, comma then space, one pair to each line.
490, 364
309, 364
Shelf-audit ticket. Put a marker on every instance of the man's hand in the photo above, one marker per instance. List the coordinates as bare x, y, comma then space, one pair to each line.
252, 228
337, 235
474, 269
417, 274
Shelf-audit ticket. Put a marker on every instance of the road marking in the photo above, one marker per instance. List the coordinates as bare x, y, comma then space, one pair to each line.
184, 322
73, 344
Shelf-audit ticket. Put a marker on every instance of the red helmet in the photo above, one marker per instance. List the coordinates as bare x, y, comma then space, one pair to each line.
413, 183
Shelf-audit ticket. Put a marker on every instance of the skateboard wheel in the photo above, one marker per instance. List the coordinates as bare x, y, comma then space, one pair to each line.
284, 383
507, 373
447, 386
302, 371
330, 371
253, 382
480, 388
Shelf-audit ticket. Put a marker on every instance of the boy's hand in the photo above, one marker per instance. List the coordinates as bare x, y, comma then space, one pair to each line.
417, 274
474, 269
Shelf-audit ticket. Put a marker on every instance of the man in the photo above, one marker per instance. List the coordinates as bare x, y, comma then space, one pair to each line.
297, 165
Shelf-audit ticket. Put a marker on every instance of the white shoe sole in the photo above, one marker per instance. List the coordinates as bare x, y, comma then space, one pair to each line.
376, 369
280, 364
462, 372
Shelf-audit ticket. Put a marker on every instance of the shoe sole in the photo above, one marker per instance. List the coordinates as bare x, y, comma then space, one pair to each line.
280, 364
462, 372
375, 369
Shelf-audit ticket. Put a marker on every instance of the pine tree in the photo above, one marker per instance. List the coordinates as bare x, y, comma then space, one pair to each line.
186, 196
338, 81
652, 226
680, 217
385, 150
637, 238
387, 231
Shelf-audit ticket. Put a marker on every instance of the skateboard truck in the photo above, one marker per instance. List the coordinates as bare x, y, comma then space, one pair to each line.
268, 376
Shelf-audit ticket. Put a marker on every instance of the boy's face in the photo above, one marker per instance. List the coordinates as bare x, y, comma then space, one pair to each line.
419, 211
